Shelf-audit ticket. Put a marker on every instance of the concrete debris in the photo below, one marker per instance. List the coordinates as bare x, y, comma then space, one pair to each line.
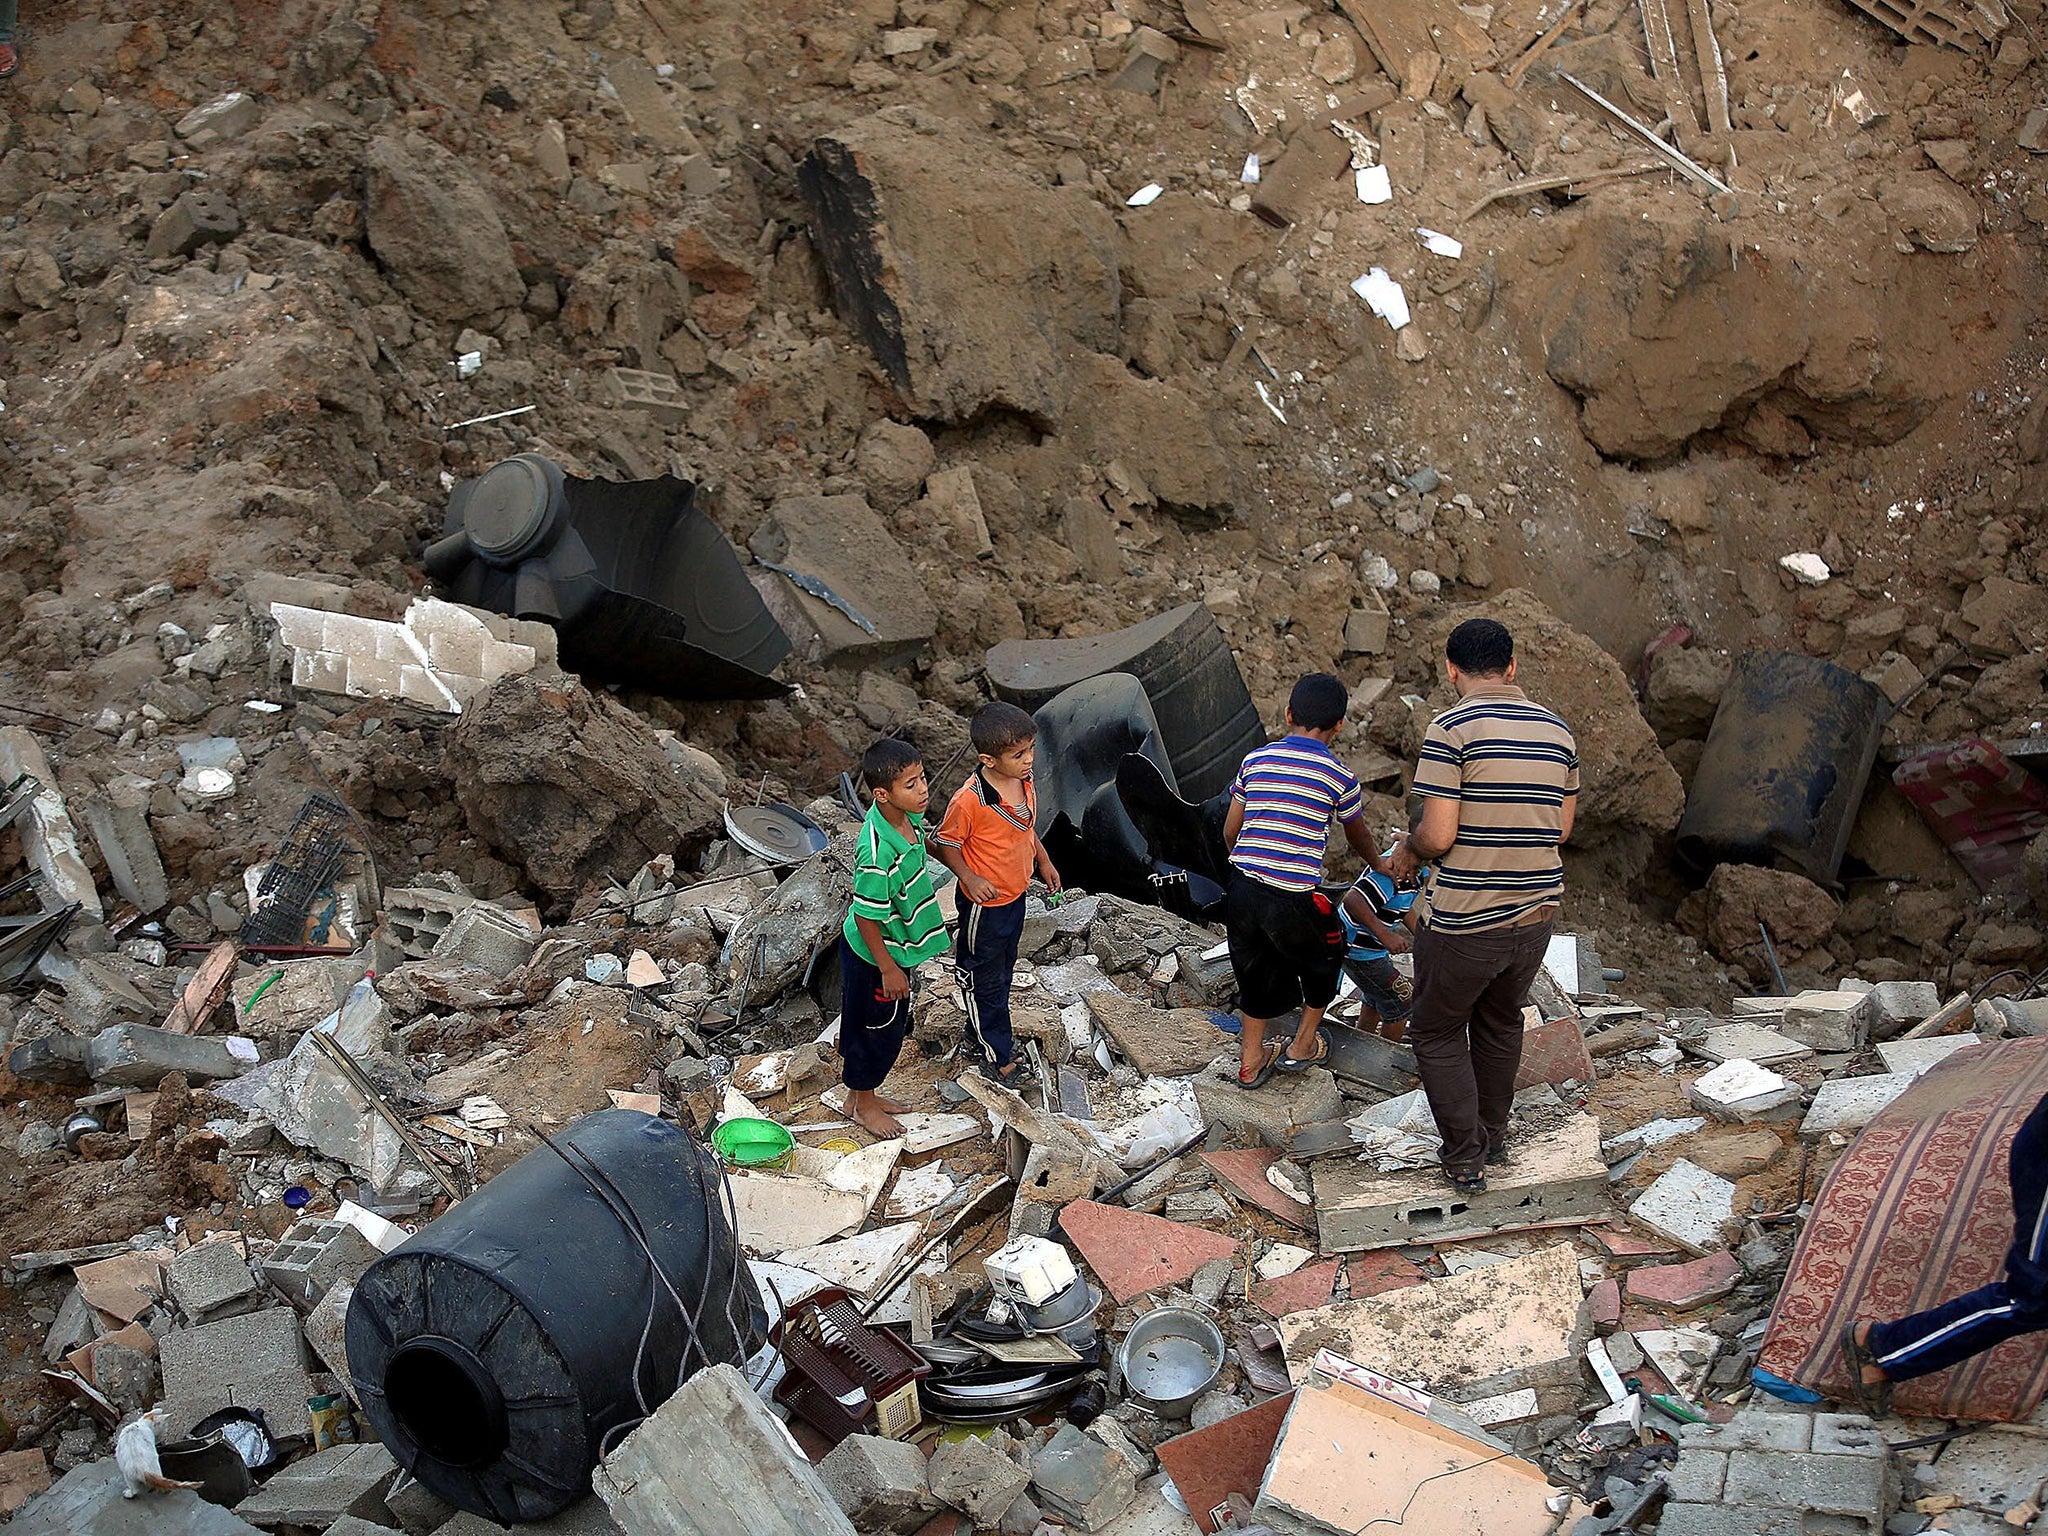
439, 657
1688, 1205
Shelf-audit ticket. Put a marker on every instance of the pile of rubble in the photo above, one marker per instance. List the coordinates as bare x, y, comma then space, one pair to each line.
1135, 1297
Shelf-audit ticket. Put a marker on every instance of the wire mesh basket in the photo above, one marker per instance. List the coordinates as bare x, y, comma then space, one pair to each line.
305, 864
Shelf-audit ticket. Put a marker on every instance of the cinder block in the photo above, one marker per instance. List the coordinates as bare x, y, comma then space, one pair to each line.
1848, 1434
1365, 627
202, 216
326, 1332
1837, 1485
210, 1280
1759, 1430
313, 1256
1828, 1021
1698, 1476
1720, 1520
257, 1357
1898, 1005
1082, 1481
488, 938
636, 389
418, 1510
119, 823
418, 915
879, 1483
975, 1477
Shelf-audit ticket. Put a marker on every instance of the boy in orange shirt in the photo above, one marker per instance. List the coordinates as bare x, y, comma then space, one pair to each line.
989, 839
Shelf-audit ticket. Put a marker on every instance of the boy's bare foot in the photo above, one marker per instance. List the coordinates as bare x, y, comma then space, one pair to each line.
870, 1116
891, 1105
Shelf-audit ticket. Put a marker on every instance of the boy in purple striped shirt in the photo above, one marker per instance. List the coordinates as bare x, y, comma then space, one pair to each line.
1286, 942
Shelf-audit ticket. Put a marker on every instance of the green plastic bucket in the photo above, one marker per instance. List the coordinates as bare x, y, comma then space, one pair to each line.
749, 1143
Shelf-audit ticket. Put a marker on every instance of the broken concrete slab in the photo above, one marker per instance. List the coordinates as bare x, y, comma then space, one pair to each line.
118, 819
1750, 1042
1850, 1103
313, 1104
977, 1477
487, 938
126, 1285
1131, 1253
1159, 1042
1554, 1052
586, 1517
1828, 1021
838, 543
1272, 1113
861, 1261
1516, 1324
1244, 1171
255, 1360
1682, 1287
89, 1501
711, 1462
1896, 1006
1081, 1481
142, 1056
1556, 1178
47, 836
323, 1487
1915, 1056
1688, 1205
1314, 1482
1742, 1092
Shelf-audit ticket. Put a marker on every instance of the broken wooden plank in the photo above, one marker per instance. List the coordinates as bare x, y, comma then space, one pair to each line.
1684, 162
1664, 65
1399, 31
1713, 68
1541, 46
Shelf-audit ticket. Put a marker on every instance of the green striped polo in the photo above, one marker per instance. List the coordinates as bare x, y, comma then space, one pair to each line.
892, 888
1509, 764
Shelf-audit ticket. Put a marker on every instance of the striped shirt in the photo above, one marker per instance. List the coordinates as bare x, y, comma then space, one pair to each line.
892, 887
1509, 764
1290, 791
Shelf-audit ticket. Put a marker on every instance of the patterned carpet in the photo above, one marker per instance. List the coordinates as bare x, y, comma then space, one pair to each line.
1916, 1211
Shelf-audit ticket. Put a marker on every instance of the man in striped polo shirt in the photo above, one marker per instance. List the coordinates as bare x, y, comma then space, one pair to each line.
1286, 943
1499, 777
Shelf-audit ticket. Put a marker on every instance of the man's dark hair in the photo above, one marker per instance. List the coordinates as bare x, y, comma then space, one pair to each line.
1318, 702
1482, 647
997, 727
887, 761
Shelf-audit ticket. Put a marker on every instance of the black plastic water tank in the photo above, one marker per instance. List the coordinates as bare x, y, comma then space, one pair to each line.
497, 1350
1786, 763
641, 587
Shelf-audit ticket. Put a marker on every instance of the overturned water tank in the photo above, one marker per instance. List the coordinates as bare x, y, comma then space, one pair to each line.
1786, 763
1207, 720
640, 585
502, 1350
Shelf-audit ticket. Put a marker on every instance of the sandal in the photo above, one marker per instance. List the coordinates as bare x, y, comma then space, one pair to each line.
1467, 1183
1271, 1055
1289, 1062
1873, 1397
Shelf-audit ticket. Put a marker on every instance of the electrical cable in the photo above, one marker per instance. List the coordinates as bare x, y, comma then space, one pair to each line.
1402, 1518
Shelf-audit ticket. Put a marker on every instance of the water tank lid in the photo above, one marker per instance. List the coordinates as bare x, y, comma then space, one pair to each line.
509, 507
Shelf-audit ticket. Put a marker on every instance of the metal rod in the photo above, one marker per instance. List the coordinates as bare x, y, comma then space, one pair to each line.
908, 1266
1771, 954
360, 1081
477, 421
1678, 158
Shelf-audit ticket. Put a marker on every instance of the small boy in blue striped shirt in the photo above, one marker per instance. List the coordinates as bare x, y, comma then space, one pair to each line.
1286, 942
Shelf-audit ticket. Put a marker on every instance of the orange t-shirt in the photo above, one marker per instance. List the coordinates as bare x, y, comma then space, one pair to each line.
996, 838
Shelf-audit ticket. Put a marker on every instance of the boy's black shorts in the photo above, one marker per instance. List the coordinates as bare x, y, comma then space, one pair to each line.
1286, 947
871, 1026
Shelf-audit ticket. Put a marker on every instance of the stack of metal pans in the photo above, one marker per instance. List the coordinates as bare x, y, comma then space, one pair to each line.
966, 1385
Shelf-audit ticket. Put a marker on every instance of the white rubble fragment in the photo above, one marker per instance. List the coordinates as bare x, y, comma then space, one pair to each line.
1145, 195
1383, 296
1806, 568
1687, 1204
1439, 244
1375, 185
1250, 174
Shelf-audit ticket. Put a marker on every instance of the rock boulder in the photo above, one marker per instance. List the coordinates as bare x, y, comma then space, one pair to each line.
571, 786
1799, 914
961, 325
435, 230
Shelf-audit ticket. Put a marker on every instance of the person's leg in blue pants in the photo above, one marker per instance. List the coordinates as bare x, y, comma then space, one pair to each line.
984, 959
2014, 1304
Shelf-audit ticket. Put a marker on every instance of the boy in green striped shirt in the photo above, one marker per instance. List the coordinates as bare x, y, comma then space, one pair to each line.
893, 926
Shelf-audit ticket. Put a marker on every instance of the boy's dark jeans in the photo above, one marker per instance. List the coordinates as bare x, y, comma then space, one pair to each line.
984, 957
1466, 1031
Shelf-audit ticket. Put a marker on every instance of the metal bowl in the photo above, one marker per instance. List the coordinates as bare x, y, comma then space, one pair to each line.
1077, 1302
1169, 1358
